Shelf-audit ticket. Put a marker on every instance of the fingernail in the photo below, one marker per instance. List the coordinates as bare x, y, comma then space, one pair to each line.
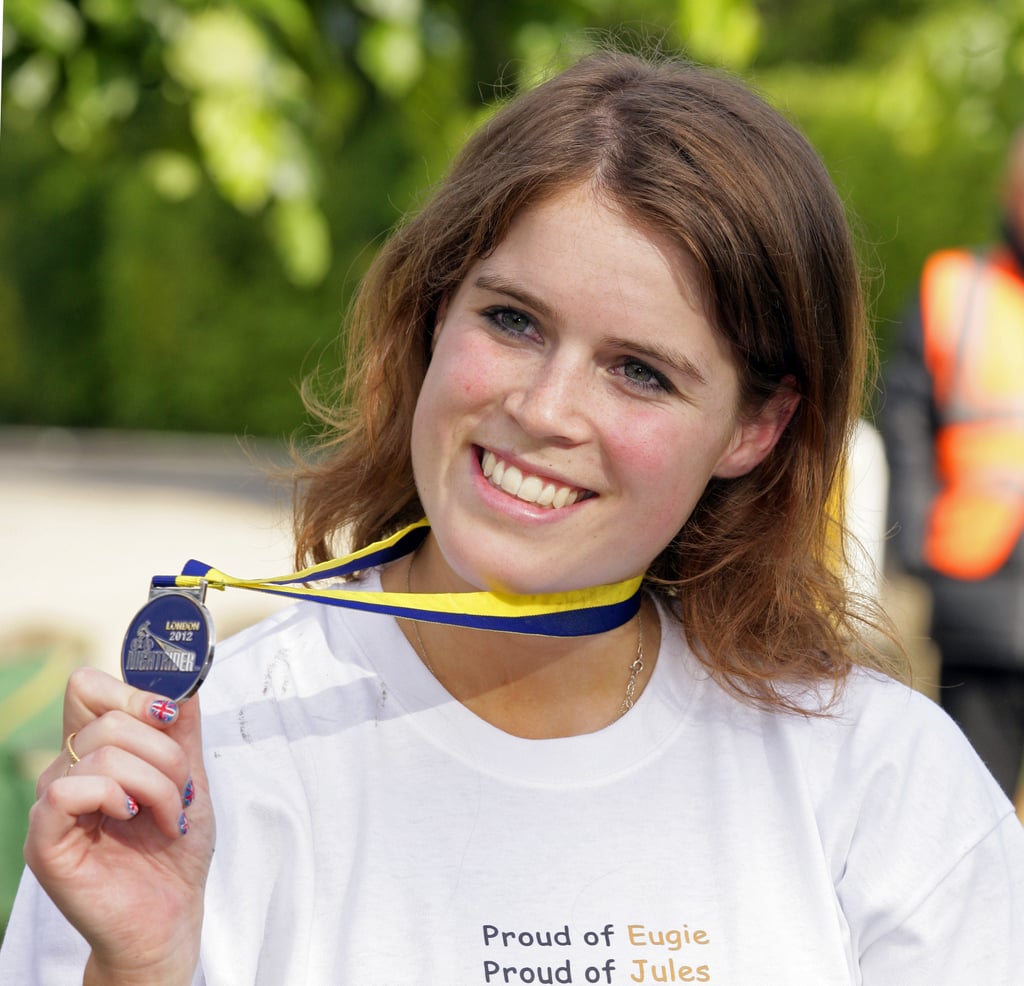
189, 794
164, 710
132, 805
183, 825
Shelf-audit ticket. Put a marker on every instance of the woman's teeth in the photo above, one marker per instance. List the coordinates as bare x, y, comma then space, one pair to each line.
531, 489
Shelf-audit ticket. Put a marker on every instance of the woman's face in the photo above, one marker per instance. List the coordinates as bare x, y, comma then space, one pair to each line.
576, 404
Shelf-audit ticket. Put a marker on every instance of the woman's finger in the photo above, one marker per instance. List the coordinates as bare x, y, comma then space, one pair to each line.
164, 794
92, 692
121, 730
78, 802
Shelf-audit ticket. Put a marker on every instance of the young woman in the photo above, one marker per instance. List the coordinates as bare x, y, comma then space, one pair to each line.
625, 339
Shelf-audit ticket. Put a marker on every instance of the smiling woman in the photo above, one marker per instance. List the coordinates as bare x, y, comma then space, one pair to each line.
623, 346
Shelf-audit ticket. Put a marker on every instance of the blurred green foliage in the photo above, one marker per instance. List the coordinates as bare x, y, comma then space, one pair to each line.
190, 189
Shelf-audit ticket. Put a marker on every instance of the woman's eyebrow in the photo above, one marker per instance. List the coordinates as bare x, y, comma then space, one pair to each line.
503, 285
671, 358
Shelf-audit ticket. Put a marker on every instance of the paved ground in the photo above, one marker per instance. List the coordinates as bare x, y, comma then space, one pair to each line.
87, 518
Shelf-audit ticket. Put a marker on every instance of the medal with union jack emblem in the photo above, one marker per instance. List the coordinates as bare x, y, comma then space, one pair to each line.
168, 647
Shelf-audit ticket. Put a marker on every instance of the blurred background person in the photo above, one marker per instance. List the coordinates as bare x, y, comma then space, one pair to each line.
954, 429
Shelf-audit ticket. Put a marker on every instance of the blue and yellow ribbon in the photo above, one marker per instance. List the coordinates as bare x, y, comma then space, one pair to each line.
563, 614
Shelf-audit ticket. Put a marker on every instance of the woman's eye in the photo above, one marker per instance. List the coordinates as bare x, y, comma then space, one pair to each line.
509, 321
642, 376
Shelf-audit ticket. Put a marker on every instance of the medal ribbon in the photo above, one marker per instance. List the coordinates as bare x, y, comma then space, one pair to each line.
562, 614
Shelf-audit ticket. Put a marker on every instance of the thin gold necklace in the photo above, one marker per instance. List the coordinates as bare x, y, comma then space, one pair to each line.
635, 668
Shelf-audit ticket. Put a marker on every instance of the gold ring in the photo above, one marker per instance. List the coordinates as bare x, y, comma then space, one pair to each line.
75, 758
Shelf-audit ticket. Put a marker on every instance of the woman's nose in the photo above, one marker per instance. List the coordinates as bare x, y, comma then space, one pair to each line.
550, 401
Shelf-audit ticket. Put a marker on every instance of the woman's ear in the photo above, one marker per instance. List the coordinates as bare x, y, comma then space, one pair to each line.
756, 436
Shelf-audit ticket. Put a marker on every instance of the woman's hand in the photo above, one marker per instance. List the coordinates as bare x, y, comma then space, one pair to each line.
121, 840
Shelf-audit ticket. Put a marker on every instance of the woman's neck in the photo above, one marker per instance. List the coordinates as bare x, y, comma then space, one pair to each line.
531, 686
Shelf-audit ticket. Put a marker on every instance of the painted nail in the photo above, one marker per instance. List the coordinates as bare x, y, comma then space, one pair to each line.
132, 805
189, 794
164, 710
183, 825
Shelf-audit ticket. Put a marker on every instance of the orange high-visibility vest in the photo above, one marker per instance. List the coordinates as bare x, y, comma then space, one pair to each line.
972, 311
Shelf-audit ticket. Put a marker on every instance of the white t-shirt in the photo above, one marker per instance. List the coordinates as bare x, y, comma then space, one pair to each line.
373, 832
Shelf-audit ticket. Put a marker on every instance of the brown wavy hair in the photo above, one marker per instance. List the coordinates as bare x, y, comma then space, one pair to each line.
695, 155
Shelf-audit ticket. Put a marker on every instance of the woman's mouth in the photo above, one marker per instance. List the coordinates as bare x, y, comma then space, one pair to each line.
527, 487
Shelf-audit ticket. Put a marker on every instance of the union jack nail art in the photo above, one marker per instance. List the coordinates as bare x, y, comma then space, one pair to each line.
183, 825
189, 794
132, 805
164, 710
